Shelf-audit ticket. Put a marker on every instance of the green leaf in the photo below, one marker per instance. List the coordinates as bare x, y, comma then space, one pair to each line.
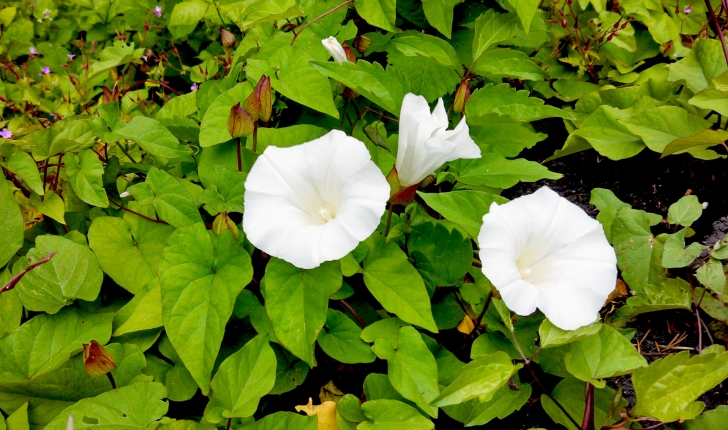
670, 294
185, 17
201, 275
710, 420
668, 388
465, 208
52, 205
290, 371
213, 129
608, 136
705, 61
504, 402
570, 394
136, 406
505, 100
285, 421
387, 328
413, 44
224, 190
172, 201
491, 28
501, 133
261, 11
11, 224
350, 408
439, 14
178, 107
241, 381
143, 312
286, 137
551, 336
113, 56
297, 301
341, 340
23, 165
368, 79
662, 125
685, 211
692, 144
153, 137
130, 361
712, 275
11, 308
481, 378
445, 248
413, 370
424, 75
85, 174
494, 170
676, 255
526, 10
602, 355
295, 78
72, 273
639, 254
45, 342
395, 283
133, 240
500, 63
379, 13
392, 415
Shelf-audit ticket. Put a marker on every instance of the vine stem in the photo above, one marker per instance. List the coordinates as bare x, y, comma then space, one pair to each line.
111, 379
255, 137
122, 207
587, 423
240, 159
295, 36
353, 312
527, 363
389, 218
15, 279
718, 29
485, 308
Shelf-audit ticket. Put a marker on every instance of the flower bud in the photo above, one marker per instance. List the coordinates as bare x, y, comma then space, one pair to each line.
240, 124
228, 39
258, 104
362, 44
223, 222
335, 49
461, 96
350, 57
97, 359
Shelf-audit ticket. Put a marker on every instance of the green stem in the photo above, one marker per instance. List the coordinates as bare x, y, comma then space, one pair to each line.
389, 218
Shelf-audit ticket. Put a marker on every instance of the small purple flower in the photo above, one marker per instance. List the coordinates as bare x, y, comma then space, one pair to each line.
52, 116
6, 134
70, 57
33, 52
157, 11
194, 87
687, 10
145, 58
46, 70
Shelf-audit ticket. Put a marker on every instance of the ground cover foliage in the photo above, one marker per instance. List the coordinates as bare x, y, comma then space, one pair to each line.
130, 296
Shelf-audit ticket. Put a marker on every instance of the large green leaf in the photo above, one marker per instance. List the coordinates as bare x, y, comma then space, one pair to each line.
136, 406
72, 273
551, 336
439, 14
379, 13
505, 100
660, 126
704, 62
201, 275
11, 224
676, 255
153, 137
492, 28
133, 240
341, 340
481, 378
670, 294
213, 129
494, 170
370, 80
45, 342
465, 208
413, 44
242, 379
185, 17
413, 370
85, 174
23, 165
395, 283
504, 402
668, 388
602, 355
449, 253
285, 421
425, 75
508, 63
224, 190
608, 136
172, 201
570, 394
685, 211
143, 312
392, 414
639, 254
297, 301
526, 10
710, 420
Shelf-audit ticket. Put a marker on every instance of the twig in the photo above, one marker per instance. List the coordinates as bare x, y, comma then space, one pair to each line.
353, 312
295, 36
485, 308
122, 207
718, 29
587, 423
15, 279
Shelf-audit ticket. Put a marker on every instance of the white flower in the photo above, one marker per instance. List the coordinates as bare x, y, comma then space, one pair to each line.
542, 251
314, 202
335, 49
425, 143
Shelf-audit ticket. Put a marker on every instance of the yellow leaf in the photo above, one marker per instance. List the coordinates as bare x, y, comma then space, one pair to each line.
466, 325
326, 413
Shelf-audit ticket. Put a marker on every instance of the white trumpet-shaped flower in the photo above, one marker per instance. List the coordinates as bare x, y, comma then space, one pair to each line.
425, 143
335, 49
314, 202
542, 251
